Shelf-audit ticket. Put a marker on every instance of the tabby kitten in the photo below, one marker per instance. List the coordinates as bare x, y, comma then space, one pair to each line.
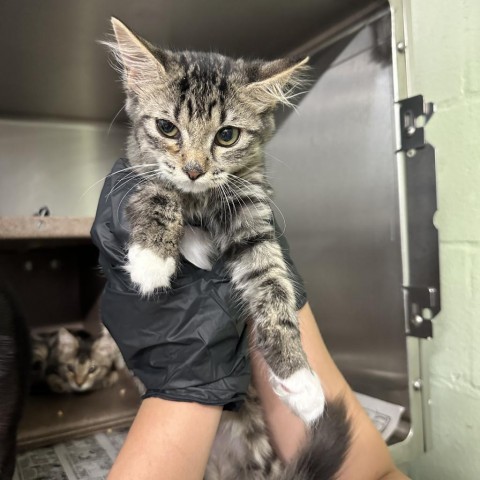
199, 125
75, 361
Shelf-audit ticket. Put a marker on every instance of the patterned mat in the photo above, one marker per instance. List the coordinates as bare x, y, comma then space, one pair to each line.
88, 458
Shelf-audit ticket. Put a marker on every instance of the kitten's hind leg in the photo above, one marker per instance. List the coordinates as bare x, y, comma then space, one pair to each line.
242, 448
156, 221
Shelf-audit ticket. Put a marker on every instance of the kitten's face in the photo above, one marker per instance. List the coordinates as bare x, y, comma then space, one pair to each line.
198, 117
82, 363
79, 374
194, 125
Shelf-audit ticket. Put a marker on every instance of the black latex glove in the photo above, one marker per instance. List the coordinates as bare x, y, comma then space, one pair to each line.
187, 344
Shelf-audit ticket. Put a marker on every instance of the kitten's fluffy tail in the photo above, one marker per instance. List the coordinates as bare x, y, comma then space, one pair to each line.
323, 456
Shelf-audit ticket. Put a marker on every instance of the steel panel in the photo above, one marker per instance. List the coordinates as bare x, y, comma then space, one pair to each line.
58, 165
55, 68
333, 166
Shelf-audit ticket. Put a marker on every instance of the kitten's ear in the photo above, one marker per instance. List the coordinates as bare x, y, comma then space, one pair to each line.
104, 346
276, 81
138, 65
66, 340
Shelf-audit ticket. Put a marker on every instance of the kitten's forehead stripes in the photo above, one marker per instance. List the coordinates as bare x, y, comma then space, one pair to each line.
204, 85
210, 108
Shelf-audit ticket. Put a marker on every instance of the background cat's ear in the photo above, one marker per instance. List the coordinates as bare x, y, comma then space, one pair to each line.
67, 343
104, 346
277, 81
138, 65
64, 336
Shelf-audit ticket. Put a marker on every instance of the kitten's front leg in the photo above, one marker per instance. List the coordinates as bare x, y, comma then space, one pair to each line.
260, 278
109, 380
156, 222
57, 384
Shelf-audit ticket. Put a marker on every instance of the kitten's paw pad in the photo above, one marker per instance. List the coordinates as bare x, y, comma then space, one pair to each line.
147, 270
302, 392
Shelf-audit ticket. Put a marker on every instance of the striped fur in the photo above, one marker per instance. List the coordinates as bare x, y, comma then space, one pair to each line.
200, 94
242, 448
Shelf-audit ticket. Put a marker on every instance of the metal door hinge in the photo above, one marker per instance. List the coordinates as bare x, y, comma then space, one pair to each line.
422, 294
414, 115
422, 304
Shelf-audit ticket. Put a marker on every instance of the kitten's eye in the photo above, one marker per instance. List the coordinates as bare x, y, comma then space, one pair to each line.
70, 367
92, 369
227, 136
166, 128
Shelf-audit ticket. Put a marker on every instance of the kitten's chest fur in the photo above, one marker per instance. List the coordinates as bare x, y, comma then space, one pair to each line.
196, 209
198, 244
211, 219
217, 209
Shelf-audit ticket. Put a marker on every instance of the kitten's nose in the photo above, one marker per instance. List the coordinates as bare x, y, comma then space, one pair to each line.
193, 170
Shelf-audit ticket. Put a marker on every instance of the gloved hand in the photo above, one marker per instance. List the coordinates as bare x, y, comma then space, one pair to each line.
187, 344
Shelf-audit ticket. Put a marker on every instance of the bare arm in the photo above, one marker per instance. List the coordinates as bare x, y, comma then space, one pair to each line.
368, 457
170, 440
173, 440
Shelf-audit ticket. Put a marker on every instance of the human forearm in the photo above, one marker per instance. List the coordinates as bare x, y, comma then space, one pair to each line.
170, 440
368, 457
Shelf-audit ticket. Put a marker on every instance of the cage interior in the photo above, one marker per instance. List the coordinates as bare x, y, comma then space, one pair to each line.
332, 163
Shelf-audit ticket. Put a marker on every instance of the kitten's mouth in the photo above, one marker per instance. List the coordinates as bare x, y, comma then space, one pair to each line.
79, 389
193, 186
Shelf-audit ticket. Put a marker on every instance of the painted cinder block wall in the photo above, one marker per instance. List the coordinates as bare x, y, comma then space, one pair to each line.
445, 65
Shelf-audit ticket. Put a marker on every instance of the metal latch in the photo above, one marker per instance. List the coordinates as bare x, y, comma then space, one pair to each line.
414, 115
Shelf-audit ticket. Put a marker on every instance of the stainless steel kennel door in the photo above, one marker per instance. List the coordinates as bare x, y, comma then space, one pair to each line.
333, 167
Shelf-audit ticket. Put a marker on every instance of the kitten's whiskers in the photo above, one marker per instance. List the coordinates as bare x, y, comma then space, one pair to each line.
273, 157
244, 188
247, 186
240, 199
114, 118
128, 178
115, 173
228, 204
145, 179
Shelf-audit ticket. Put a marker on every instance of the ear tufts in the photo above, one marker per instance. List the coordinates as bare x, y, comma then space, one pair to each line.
134, 60
278, 81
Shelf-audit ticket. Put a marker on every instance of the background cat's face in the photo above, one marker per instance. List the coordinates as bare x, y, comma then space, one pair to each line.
81, 363
80, 375
198, 117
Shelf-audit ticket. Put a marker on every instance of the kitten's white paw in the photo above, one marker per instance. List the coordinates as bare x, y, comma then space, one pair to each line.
302, 392
147, 270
